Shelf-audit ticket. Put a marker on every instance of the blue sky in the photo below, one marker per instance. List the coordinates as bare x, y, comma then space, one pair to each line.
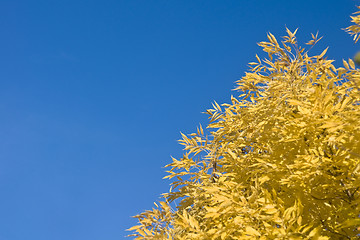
94, 94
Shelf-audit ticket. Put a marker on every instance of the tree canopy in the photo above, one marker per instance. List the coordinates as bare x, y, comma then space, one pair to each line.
281, 161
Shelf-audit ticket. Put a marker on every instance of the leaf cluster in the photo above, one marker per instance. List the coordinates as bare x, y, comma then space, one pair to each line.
355, 28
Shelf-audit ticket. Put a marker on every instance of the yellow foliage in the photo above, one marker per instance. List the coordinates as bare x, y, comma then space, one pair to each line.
282, 161
355, 29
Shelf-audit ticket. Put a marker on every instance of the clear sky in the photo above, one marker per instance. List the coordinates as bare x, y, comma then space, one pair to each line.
94, 94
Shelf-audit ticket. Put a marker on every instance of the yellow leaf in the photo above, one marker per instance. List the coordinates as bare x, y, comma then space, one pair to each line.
294, 102
264, 179
311, 42
313, 232
329, 124
134, 228
148, 232
251, 231
290, 33
257, 58
323, 53
193, 222
303, 110
349, 223
270, 209
352, 64
223, 235
141, 232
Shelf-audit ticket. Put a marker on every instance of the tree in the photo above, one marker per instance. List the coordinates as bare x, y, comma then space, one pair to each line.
280, 162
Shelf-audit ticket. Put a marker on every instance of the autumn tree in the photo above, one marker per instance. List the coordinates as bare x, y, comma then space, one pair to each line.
281, 161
